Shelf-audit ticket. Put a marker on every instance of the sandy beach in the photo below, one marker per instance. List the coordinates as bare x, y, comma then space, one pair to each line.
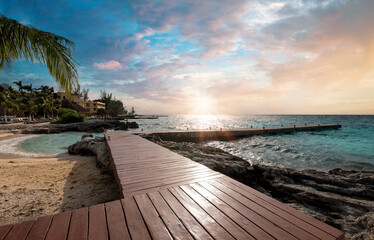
31, 187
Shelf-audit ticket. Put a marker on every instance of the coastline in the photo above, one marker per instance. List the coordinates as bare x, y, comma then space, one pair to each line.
36, 186
343, 199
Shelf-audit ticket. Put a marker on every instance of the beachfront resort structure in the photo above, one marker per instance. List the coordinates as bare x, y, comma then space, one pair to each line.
78, 103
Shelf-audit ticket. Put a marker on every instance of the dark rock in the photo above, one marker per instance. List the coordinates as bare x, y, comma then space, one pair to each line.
344, 199
132, 125
87, 136
103, 155
93, 146
87, 126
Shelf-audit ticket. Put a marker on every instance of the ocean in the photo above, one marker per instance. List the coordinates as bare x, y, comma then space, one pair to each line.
349, 148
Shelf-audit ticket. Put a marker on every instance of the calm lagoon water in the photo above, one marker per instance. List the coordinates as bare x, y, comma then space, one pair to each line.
350, 148
51, 144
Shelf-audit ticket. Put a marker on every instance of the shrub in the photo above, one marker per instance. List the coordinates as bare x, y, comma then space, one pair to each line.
69, 116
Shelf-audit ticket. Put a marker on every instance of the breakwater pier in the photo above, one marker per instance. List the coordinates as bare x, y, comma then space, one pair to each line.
231, 134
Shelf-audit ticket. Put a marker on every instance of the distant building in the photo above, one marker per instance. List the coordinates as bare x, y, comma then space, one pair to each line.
76, 102
92, 107
73, 98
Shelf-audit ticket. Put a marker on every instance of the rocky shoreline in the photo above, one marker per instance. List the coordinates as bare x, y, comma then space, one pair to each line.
91, 126
343, 199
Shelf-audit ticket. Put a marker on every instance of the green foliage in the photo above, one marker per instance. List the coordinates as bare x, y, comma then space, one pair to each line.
69, 116
102, 112
132, 112
105, 98
115, 107
18, 41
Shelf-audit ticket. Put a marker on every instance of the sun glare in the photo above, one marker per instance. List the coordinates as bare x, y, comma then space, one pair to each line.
203, 106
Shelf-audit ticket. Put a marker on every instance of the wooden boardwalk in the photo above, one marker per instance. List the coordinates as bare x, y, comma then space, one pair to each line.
167, 196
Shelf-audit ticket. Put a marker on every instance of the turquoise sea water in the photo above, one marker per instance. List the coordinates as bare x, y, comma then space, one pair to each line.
350, 148
51, 143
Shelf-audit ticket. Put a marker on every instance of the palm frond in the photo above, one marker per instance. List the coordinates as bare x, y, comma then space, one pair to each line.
18, 41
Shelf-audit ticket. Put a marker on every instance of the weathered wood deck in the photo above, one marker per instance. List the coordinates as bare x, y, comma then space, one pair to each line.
167, 196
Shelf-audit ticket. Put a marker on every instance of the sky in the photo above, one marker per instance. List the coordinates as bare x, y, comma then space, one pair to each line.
213, 56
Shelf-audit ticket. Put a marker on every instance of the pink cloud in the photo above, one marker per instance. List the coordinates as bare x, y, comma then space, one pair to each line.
109, 65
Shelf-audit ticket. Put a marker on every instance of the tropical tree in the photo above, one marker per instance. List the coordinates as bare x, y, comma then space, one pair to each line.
41, 103
115, 108
101, 112
28, 88
105, 98
54, 105
18, 41
45, 99
30, 106
8, 100
85, 94
132, 112
20, 86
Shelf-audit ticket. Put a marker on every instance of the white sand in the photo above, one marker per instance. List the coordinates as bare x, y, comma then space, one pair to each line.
31, 187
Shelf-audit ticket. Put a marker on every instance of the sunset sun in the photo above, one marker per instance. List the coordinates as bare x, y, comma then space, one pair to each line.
202, 105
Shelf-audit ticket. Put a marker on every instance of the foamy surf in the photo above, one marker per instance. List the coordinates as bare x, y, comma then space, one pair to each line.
11, 146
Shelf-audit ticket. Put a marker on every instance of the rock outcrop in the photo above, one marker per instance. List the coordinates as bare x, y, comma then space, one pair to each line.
344, 199
93, 146
87, 126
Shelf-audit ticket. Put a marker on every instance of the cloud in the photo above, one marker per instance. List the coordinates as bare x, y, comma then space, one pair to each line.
251, 56
110, 65
209, 23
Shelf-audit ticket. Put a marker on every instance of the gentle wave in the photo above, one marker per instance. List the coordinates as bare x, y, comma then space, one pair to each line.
11, 146
350, 148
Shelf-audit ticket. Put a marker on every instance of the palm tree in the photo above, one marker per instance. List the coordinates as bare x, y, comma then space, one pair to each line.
41, 104
28, 88
8, 101
18, 41
29, 106
20, 86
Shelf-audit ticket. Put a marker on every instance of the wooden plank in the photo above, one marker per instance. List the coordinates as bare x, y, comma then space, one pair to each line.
79, 224
166, 177
116, 221
285, 215
19, 230
143, 176
313, 221
59, 226
176, 228
155, 164
233, 210
40, 228
159, 186
4, 230
250, 227
216, 230
151, 217
160, 167
263, 223
229, 225
265, 213
97, 225
160, 182
193, 226
135, 222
